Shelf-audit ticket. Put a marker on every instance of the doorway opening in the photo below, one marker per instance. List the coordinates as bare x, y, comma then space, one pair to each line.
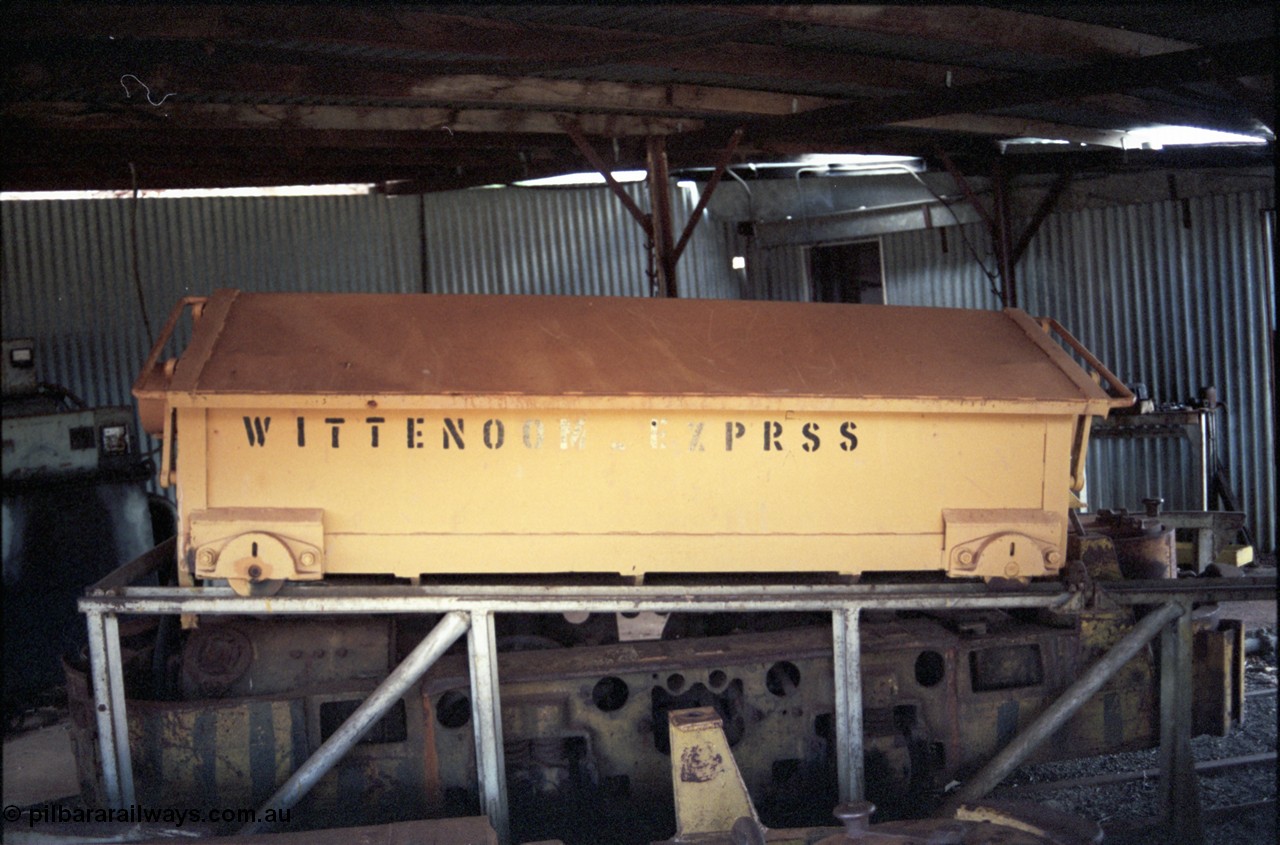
850, 272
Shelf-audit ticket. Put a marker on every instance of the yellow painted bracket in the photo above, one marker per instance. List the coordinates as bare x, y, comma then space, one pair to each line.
709, 792
1003, 543
249, 546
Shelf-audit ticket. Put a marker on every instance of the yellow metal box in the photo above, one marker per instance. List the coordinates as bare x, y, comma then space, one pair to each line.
418, 434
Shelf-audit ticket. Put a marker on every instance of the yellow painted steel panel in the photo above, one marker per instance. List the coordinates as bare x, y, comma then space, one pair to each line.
552, 434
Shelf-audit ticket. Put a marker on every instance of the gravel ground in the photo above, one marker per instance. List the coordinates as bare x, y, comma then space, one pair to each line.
1122, 808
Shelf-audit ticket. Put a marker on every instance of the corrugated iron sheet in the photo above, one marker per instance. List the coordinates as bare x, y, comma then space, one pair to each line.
1170, 306
69, 265
535, 240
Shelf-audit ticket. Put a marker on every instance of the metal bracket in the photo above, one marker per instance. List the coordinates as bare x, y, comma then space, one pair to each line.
1002, 543
252, 546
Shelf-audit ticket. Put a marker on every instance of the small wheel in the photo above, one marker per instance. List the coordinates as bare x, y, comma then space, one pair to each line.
1006, 585
245, 587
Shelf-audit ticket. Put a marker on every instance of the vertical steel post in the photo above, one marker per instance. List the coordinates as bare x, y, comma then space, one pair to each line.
103, 711
847, 654
1179, 793
486, 716
1203, 460
119, 715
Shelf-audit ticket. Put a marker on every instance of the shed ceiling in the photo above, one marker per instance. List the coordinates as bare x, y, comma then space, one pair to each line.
424, 98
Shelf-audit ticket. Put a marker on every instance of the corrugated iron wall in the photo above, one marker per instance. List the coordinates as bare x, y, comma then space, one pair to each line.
69, 265
1175, 295
1170, 306
69, 268
946, 267
578, 241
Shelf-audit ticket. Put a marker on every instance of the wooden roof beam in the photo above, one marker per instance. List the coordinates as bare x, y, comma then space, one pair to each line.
977, 26
1109, 76
486, 45
98, 76
70, 115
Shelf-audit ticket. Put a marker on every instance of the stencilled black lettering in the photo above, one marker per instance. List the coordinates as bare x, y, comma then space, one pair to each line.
257, 429
813, 441
413, 432
733, 431
336, 423
494, 434
572, 433
452, 432
850, 441
374, 422
772, 431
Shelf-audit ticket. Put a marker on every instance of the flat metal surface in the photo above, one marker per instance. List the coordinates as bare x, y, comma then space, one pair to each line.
423, 345
304, 599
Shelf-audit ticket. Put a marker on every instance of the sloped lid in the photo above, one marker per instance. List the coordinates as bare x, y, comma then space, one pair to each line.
548, 346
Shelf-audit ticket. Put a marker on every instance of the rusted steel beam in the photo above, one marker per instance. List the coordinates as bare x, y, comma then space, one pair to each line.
969, 193
1042, 211
1002, 236
574, 131
664, 252
721, 165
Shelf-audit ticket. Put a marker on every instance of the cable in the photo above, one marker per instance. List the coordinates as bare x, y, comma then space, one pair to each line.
137, 275
991, 277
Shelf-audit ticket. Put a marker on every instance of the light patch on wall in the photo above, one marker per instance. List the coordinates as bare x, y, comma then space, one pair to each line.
579, 179
1159, 137
186, 193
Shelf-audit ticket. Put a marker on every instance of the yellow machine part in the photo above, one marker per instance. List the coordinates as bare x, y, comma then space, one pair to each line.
555, 434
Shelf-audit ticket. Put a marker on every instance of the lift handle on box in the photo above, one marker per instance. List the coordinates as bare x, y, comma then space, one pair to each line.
196, 303
1121, 396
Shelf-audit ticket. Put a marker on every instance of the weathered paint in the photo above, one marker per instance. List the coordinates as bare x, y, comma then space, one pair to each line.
518, 434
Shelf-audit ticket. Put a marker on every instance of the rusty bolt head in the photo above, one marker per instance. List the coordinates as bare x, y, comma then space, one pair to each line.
1011, 569
965, 557
254, 572
1053, 557
205, 558
307, 559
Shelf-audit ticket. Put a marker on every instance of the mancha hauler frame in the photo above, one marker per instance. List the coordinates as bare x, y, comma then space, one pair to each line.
471, 610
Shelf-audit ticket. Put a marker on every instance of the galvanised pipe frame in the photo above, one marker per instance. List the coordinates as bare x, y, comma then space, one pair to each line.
473, 608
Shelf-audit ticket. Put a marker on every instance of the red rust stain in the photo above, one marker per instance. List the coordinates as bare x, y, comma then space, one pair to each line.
695, 769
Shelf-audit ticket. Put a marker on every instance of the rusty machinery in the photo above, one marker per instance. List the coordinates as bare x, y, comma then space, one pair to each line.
318, 436
75, 507
584, 740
